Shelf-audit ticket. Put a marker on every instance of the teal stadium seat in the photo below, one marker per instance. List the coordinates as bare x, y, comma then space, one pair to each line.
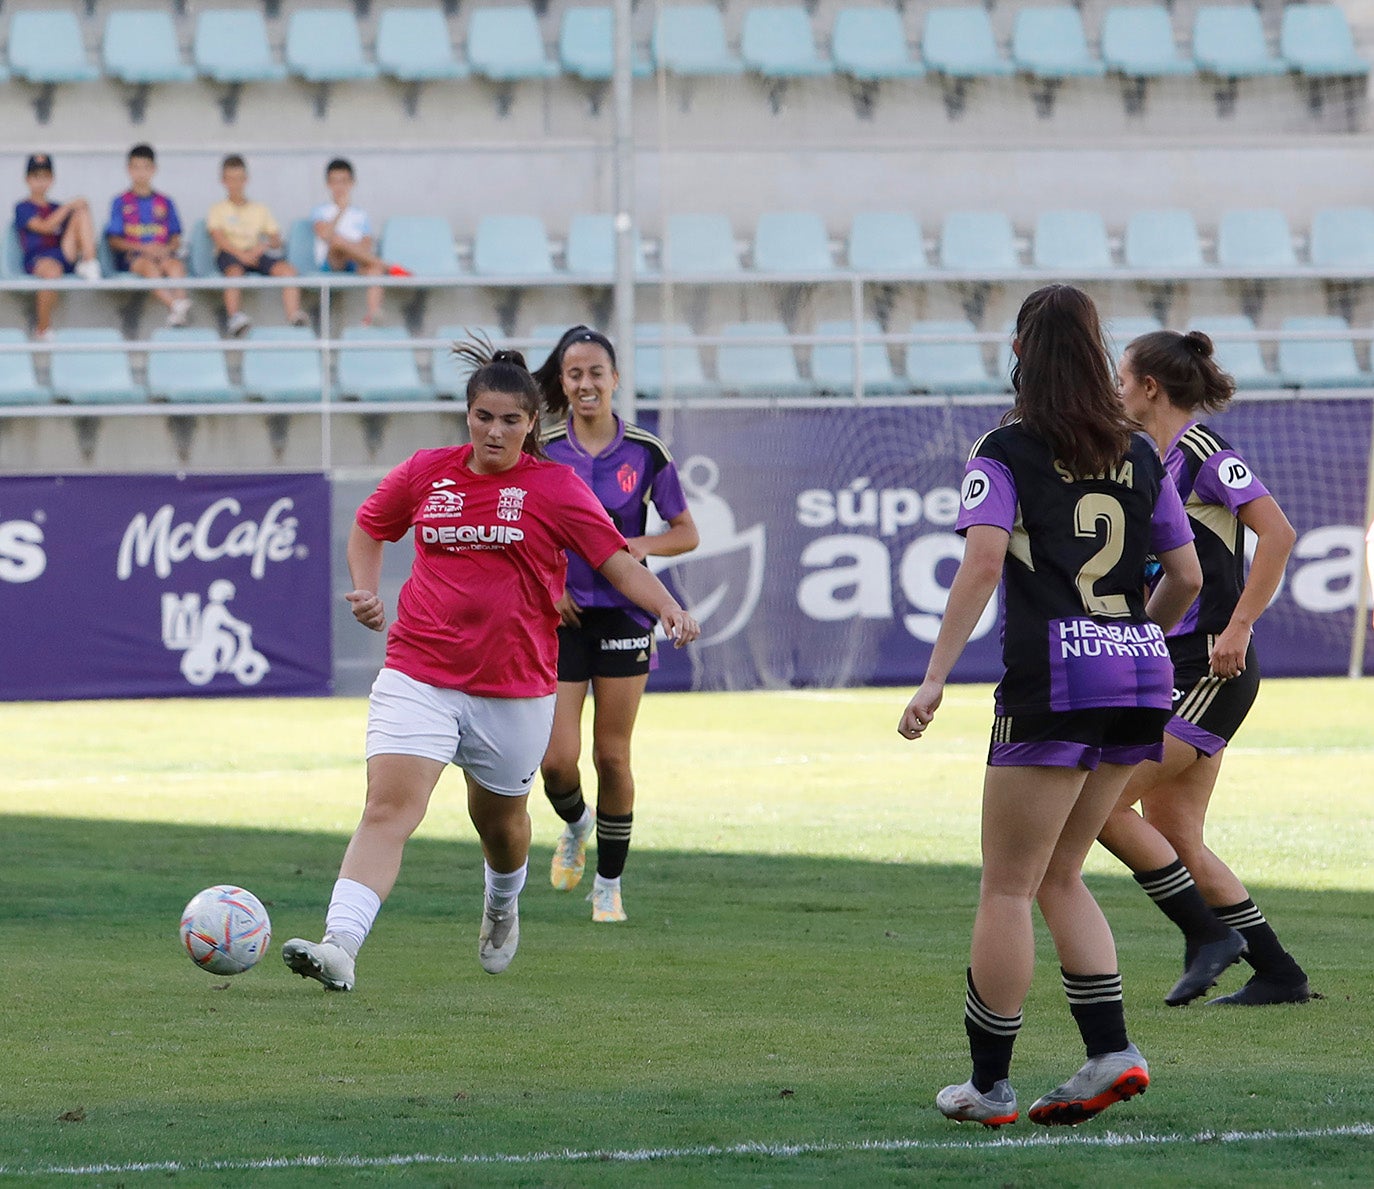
777, 43
1139, 43
758, 369
832, 364
1121, 330
45, 46
869, 44
978, 241
675, 364
449, 374
689, 40
1255, 240
413, 46
323, 46
959, 42
887, 242
512, 245
300, 247
1241, 358
18, 383
1343, 237
947, 367
1321, 363
1049, 43
189, 376
288, 377
200, 259
504, 45
141, 47
12, 254
231, 46
1315, 40
590, 248
421, 243
699, 245
1229, 42
1162, 239
586, 46
378, 373
1071, 242
93, 377
791, 242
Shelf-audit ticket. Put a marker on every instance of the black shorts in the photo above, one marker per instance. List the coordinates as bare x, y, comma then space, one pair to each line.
1208, 710
1078, 738
610, 643
266, 263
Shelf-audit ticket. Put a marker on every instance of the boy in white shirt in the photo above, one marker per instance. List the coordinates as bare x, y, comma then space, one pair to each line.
343, 236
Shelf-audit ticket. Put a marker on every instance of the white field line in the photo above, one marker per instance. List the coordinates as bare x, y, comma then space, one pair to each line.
698, 1152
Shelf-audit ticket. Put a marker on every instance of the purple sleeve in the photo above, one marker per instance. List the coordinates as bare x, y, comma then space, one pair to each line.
666, 493
1226, 479
1169, 527
988, 495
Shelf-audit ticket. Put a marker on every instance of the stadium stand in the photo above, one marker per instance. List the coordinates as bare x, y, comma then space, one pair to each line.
1072, 242
757, 368
1320, 363
590, 247
290, 377
46, 48
663, 360
1241, 358
887, 242
832, 364
323, 46
791, 241
189, 376
368, 373
954, 367
93, 377
18, 382
140, 49
699, 245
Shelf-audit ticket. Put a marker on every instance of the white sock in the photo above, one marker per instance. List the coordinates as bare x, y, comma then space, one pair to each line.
603, 882
584, 824
352, 909
503, 887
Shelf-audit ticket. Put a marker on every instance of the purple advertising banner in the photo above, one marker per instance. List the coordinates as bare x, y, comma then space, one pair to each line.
117, 586
828, 543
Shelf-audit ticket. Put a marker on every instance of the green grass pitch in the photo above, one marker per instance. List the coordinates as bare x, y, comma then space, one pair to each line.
780, 1008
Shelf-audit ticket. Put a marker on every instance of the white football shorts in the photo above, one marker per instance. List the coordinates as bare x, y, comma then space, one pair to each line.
499, 742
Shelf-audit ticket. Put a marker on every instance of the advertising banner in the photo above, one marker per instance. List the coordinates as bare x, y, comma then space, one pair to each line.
121, 586
828, 543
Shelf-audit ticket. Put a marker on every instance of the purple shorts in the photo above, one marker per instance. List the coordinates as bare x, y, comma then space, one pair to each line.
1078, 738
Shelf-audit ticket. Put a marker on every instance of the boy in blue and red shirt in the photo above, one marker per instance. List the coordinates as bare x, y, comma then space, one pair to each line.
56, 238
144, 232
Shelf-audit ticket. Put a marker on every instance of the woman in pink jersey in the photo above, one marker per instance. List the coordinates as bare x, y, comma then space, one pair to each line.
471, 659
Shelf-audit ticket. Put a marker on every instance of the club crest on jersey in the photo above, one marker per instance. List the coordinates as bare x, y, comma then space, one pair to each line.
627, 477
511, 503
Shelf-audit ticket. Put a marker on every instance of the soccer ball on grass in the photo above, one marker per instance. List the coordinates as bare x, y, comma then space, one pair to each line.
225, 929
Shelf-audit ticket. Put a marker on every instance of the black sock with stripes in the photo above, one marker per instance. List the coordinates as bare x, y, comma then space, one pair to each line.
1266, 954
569, 806
1176, 896
990, 1039
612, 843
1095, 1001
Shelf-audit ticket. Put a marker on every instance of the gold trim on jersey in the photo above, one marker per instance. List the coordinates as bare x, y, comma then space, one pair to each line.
973, 453
1201, 441
1020, 545
1217, 519
1001, 729
1199, 699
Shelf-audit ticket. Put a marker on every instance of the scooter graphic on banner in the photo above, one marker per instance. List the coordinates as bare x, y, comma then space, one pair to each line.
213, 640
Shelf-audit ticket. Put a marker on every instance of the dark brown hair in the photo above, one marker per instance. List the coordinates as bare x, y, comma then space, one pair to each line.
502, 371
549, 375
1182, 365
1065, 387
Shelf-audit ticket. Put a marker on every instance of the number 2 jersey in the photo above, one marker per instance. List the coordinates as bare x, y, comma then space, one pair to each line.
1075, 634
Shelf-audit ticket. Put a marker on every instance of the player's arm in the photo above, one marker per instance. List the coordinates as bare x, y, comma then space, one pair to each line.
364, 554
1275, 538
46, 224
643, 589
1178, 585
985, 551
680, 536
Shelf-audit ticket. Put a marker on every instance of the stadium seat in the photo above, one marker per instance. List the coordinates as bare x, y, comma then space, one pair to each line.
1071, 242
869, 44
18, 384
378, 373
677, 365
586, 46
323, 46
421, 243
886, 242
1125, 328
141, 47
47, 47
231, 46
947, 367
12, 254
978, 241
1241, 358
959, 42
791, 242
512, 245
504, 45
282, 376
689, 39
699, 245
448, 374
93, 377
300, 247
189, 376
832, 364
200, 259
591, 247
1049, 43
777, 43
1315, 40
1162, 239
413, 46
1229, 42
1255, 239
753, 369
1139, 42
1320, 363
1343, 237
